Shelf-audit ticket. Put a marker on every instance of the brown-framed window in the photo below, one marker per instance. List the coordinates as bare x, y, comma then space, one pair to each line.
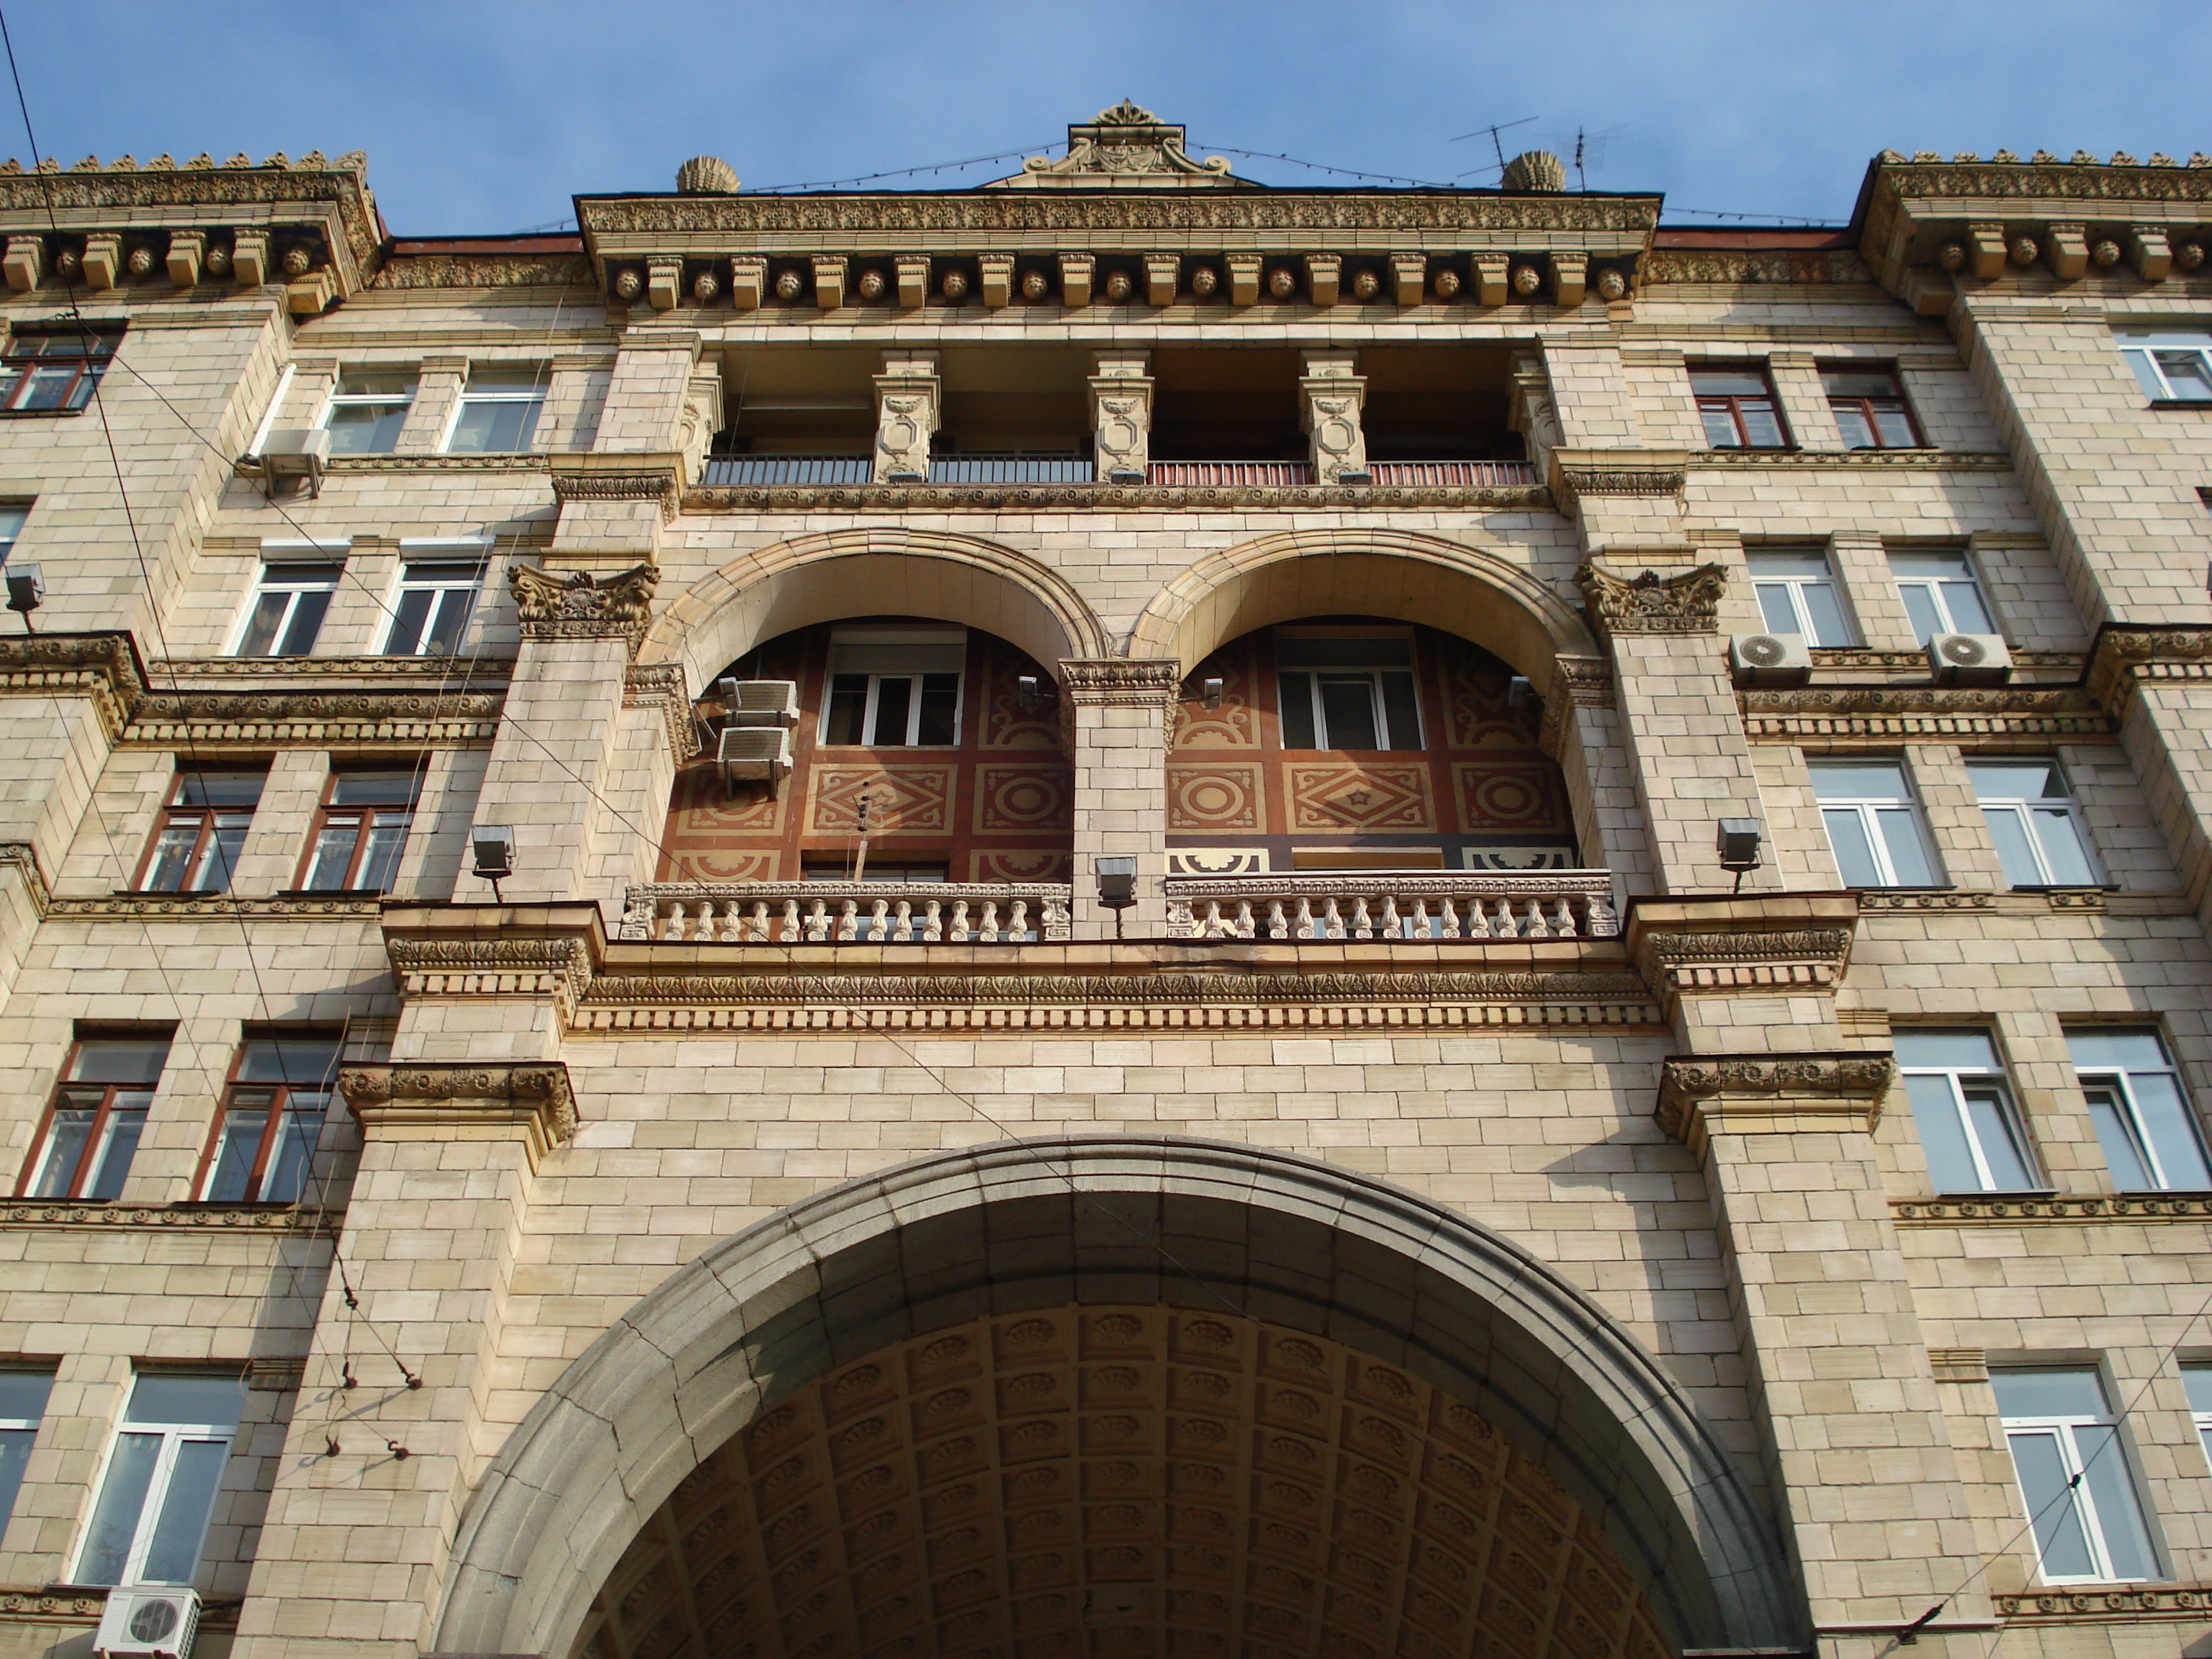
263, 1149
361, 830
98, 1113
203, 830
53, 372
1736, 403
1870, 409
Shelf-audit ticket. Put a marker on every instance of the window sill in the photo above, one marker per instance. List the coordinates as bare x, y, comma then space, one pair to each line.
41, 414
355, 893
1756, 449
170, 892
2204, 403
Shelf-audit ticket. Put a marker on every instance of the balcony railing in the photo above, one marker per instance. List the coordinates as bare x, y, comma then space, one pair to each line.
1386, 904
847, 911
1230, 475
1453, 475
789, 469
1009, 469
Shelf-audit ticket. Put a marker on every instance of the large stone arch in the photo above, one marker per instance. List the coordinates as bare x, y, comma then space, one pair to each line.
1464, 590
1108, 1219
881, 571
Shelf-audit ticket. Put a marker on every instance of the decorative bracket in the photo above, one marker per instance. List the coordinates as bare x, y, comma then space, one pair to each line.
534, 1097
1772, 1093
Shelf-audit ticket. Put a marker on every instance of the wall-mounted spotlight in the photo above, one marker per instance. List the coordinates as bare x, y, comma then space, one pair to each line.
494, 846
1117, 885
27, 591
1519, 693
1210, 691
1738, 844
1028, 693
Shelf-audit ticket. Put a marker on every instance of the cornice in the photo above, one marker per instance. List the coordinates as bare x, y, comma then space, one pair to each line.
441, 671
1652, 603
2081, 180
556, 965
2048, 1209
1915, 663
2035, 902
1109, 498
25, 858
1700, 1095
1892, 714
392, 1101
433, 462
103, 666
1122, 682
420, 270
1834, 267
2128, 656
1788, 944
439, 719
585, 476
1878, 460
2131, 1604
661, 686
256, 1219
171, 907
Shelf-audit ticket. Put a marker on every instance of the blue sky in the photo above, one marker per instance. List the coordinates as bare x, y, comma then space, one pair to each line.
484, 116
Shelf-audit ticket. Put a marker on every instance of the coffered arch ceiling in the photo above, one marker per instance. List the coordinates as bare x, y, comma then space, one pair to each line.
1120, 1481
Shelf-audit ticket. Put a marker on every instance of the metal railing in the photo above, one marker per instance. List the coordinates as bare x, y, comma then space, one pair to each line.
1452, 475
1217, 475
789, 469
847, 911
1009, 469
1387, 904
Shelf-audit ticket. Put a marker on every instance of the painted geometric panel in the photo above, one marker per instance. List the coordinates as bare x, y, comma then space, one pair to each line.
1216, 797
1007, 724
1374, 797
1232, 725
1476, 689
1019, 867
903, 800
1009, 798
1498, 795
1216, 860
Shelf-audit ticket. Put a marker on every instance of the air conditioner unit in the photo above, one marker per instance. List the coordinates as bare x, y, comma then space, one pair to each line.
760, 703
754, 754
1969, 659
146, 1619
296, 451
1770, 658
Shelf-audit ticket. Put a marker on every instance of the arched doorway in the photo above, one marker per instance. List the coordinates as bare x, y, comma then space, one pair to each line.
1114, 1222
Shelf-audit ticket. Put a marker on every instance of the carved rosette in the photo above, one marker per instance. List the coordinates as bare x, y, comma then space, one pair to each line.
552, 607
533, 1096
1700, 1095
1651, 602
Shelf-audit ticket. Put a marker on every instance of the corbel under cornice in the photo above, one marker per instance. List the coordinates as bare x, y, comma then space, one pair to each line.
1785, 1093
397, 1102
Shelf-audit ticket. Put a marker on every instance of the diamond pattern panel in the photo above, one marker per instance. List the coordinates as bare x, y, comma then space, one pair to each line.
1118, 1483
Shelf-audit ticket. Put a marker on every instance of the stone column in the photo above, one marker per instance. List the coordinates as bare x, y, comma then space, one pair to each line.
908, 397
1331, 397
354, 1546
1679, 714
1123, 711
551, 773
1121, 415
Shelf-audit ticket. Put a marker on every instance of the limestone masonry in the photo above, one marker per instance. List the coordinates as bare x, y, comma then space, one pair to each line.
1122, 914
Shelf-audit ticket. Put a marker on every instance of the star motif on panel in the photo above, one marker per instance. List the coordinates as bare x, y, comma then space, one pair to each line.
905, 801
1360, 797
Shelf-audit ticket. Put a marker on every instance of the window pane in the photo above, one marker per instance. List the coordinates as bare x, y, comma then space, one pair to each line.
1896, 429
66, 1137
2171, 1128
2057, 1391
1720, 426
326, 871
303, 1062
449, 623
219, 853
1920, 611
893, 695
1963, 599
2114, 1133
1347, 705
23, 1394
1999, 1140
848, 702
1294, 691
1852, 421
187, 1397
379, 860
237, 1144
1401, 712
1762, 430
1931, 566
1909, 862
175, 1552
2115, 1049
504, 426
306, 622
1847, 837
940, 709
1942, 1136
397, 385
2016, 780
172, 855
120, 1060
15, 1454
115, 1519
1958, 1051
2145, 374
408, 618
1829, 626
380, 788
1775, 609
2185, 375
2014, 851
284, 1177
2060, 1540
1772, 564
261, 628
2064, 849
1728, 383
119, 1145
366, 429
2198, 1379
1859, 781
2119, 1515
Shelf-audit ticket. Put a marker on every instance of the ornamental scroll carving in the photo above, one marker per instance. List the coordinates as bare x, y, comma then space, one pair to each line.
552, 607
1653, 604
535, 1096
1698, 1093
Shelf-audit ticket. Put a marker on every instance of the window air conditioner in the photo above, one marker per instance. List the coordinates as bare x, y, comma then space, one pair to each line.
1770, 658
1969, 660
295, 452
760, 703
147, 1619
754, 754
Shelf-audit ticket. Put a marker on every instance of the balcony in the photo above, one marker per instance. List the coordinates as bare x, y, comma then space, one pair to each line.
1009, 469
789, 469
847, 911
1387, 904
847, 470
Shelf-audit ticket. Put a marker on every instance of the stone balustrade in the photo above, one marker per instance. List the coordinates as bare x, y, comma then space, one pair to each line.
1387, 904
847, 911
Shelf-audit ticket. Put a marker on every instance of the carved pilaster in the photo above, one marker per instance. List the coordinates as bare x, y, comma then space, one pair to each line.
1121, 415
908, 398
1653, 604
1332, 395
554, 606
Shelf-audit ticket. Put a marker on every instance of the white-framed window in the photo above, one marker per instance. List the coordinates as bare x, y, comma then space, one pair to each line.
1942, 594
498, 413
368, 410
2173, 368
1797, 595
163, 1474
12, 517
1347, 691
2025, 802
895, 689
287, 607
1873, 822
23, 1391
1960, 1103
2074, 1476
2198, 1379
2144, 1119
430, 614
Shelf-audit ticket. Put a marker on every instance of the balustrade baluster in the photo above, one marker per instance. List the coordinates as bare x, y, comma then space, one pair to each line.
1277, 928
903, 926
793, 931
989, 931
817, 922
1502, 924
1393, 925
958, 932
1332, 920
877, 914
1213, 928
1536, 929
1018, 921
1447, 914
1243, 918
934, 930
1563, 921
1361, 928
1419, 919
759, 931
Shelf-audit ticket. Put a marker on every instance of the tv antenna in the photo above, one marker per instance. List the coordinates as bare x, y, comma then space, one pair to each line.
1496, 143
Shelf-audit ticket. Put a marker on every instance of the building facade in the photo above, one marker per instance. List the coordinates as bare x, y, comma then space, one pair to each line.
1120, 914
